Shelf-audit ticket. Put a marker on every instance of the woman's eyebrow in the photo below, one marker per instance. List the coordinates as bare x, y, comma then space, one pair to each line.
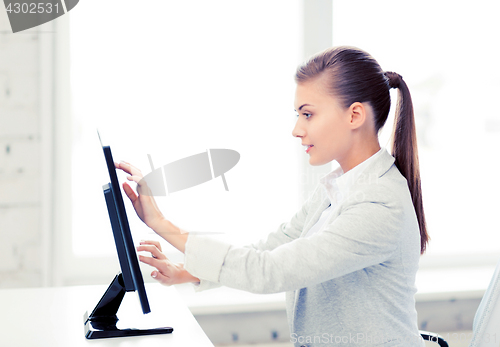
300, 108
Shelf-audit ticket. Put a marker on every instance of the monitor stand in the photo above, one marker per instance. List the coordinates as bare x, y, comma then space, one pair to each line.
102, 321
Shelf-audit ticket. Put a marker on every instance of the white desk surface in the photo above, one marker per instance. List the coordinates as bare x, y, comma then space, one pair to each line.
54, 317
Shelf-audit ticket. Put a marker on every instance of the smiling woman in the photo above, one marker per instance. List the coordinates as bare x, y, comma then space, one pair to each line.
349, 90
353, 248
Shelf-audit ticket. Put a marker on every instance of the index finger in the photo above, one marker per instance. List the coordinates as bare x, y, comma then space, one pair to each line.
128, 168
151, 242
151, 261
123, 166
155, 252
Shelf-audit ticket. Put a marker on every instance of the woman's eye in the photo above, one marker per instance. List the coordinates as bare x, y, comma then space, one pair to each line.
307, 115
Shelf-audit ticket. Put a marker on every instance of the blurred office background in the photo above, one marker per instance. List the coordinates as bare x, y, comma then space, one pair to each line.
173, 78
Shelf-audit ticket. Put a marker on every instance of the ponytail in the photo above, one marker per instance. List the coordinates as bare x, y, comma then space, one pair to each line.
404, 149
355, 76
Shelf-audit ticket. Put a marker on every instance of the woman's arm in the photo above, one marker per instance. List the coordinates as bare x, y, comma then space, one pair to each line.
171, 233
147, 210
167, 272
365, 234
202, 264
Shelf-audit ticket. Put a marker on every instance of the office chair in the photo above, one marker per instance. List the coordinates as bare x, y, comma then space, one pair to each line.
429, 336
486, 325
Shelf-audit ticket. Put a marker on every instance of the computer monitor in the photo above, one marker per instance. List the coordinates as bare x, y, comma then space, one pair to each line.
101, 323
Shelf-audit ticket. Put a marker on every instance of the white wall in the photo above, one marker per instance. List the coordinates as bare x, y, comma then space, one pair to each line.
21, 254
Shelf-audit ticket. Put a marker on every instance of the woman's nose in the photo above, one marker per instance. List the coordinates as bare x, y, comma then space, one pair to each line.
297, 131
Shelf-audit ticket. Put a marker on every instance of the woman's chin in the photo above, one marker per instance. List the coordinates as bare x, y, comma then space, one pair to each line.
315, 162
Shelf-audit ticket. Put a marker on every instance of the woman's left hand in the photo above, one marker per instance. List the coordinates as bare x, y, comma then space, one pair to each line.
167, 273
143, 202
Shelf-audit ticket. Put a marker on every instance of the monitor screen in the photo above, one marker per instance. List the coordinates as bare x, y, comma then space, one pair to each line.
127, 254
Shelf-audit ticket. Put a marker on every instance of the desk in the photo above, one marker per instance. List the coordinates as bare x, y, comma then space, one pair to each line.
54, 317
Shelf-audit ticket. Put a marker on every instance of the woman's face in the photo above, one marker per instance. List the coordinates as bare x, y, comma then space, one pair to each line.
322, 123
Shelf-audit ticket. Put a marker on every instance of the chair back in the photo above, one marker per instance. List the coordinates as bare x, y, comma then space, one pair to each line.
486, 326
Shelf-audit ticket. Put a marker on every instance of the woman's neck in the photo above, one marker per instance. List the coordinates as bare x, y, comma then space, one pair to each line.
358, 155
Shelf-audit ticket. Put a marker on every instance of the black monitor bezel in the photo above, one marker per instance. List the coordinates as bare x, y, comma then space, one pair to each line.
131, 254
128, 283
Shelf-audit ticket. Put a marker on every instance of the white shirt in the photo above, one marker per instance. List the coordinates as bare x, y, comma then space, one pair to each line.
337, 185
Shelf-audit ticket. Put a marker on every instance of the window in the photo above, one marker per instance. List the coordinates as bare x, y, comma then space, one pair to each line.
173, 79
447, 54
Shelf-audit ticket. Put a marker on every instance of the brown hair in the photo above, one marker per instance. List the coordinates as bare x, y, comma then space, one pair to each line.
355, 76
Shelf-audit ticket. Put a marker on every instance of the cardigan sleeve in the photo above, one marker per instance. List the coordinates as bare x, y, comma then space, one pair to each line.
364, 234
285, 233
275, 239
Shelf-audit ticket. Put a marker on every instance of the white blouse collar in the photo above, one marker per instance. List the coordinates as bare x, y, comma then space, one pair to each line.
337, 182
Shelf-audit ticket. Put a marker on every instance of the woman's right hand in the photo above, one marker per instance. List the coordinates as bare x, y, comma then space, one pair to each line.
143, 202
167, 272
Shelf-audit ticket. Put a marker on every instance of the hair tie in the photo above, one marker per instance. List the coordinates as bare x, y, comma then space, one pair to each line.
393, 79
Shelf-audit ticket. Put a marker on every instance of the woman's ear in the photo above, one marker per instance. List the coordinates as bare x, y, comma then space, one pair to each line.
358, 113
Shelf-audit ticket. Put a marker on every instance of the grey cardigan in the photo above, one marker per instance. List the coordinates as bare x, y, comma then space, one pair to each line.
352, 283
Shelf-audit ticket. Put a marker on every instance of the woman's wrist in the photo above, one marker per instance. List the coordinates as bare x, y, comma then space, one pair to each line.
158, 224
186, 276
171, 233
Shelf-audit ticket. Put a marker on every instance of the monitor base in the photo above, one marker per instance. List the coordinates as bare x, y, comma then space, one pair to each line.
102, 321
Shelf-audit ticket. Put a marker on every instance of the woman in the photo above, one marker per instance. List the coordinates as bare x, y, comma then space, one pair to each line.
347, 260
